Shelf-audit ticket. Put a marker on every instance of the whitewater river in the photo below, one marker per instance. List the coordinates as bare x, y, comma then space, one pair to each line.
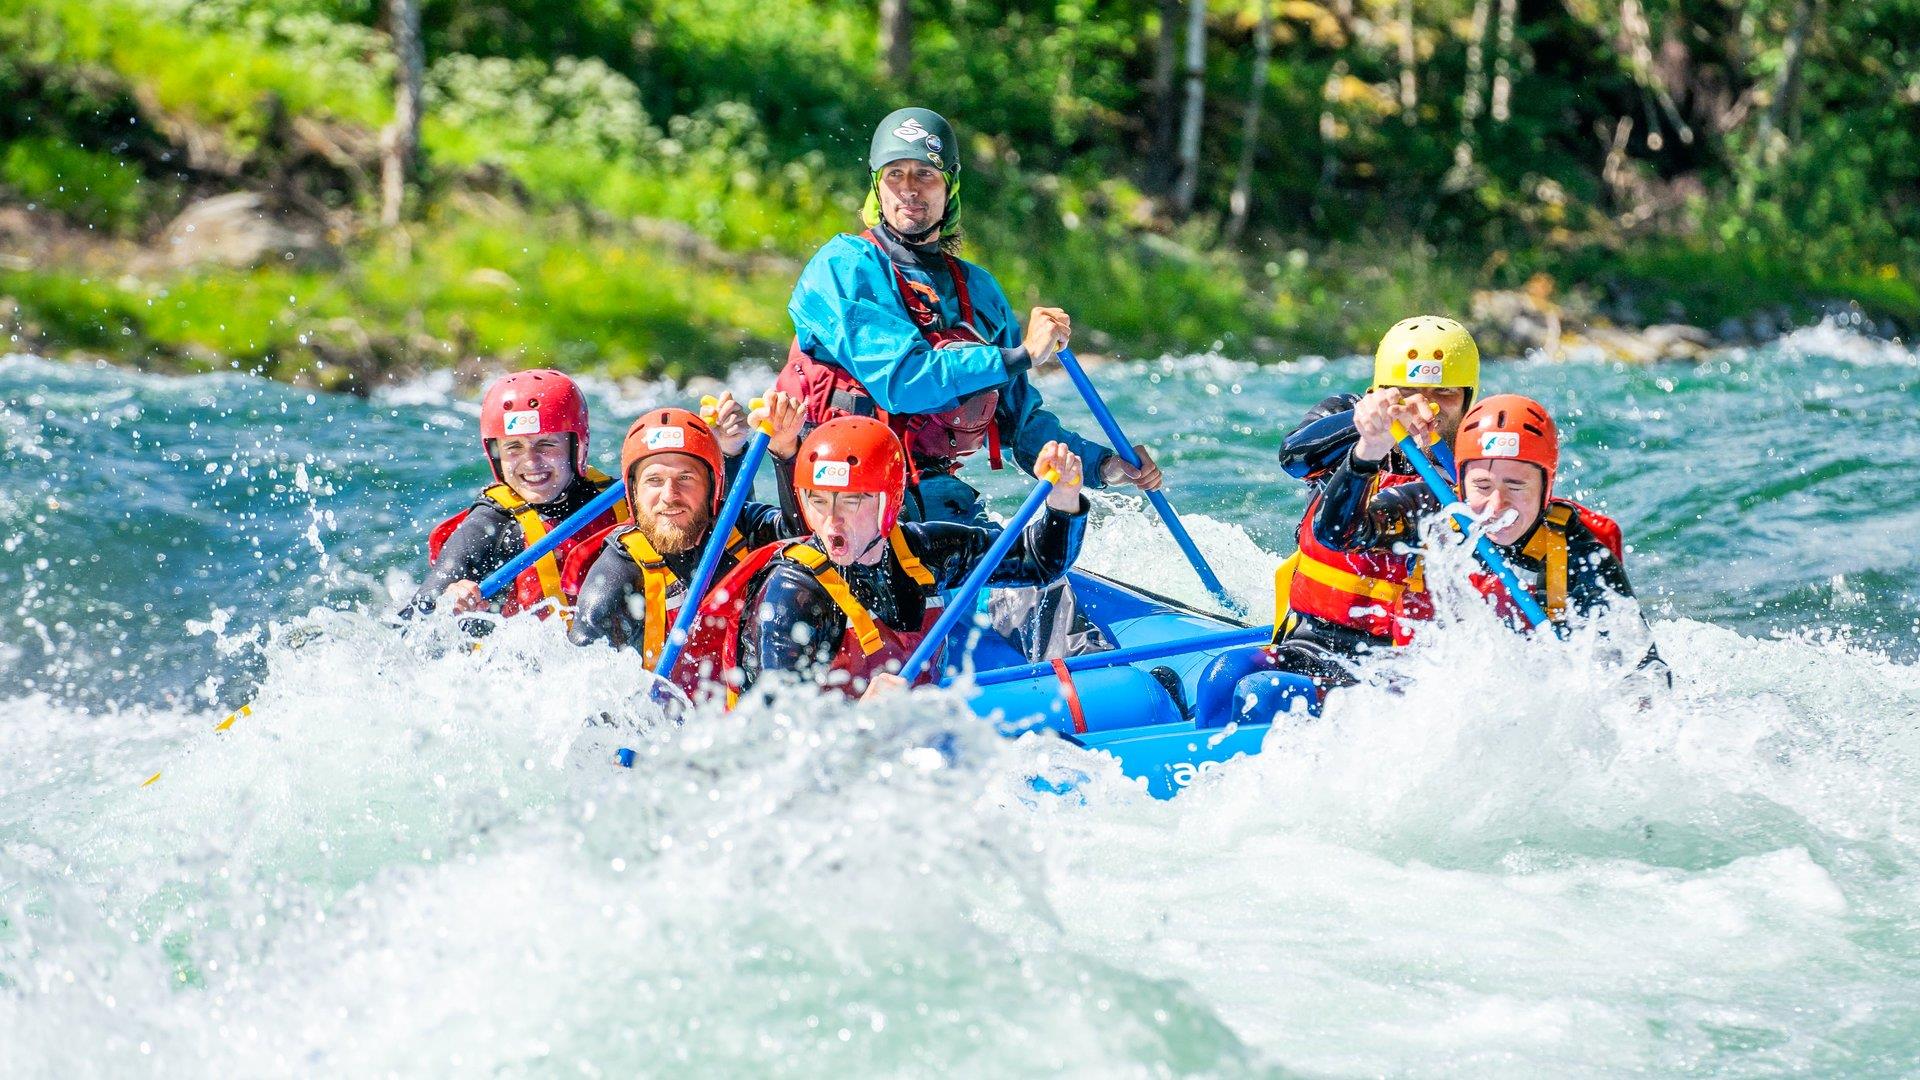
1507, 870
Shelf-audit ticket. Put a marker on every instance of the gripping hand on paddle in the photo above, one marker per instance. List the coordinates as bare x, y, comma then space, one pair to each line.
786, 415
1048, 331
1375, 414
728, 419
461, 597
1065, 495
1147, 477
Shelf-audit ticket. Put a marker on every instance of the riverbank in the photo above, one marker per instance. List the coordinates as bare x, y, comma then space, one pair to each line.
187, 192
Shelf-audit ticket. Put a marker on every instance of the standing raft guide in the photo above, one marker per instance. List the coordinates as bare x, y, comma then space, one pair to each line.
865, 576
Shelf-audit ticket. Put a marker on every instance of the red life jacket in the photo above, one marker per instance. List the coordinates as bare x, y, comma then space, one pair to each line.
868, 645
941, 439
542, 582
656, 580
1361, 590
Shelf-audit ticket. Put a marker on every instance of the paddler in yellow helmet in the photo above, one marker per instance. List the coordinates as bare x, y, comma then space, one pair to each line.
1333, 606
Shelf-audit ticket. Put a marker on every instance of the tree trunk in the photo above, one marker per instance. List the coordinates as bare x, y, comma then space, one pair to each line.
1189, 182
1782, 111
1163, 103
1503, 64
1409, 58
1250, 132
400, 143
896, 38
1471, 98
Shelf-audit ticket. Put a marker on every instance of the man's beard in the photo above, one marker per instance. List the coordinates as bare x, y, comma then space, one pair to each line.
668, 538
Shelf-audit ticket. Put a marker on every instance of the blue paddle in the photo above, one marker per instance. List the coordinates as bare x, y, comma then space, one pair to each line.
1483, 547
716, 546
960, 604
709, 564
1124, 447
581, 518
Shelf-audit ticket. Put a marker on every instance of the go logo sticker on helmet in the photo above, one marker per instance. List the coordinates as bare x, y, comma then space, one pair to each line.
665, 438
526, 422
1500, 444
832, 474
1426, 372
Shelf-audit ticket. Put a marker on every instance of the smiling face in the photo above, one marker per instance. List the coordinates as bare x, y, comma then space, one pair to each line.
537, 467
673, 501
1493, 488
913, 196
847, 524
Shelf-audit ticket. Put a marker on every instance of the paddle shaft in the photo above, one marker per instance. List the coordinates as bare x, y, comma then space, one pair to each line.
1124, 447
1529, 607
716, 546
960, 604
581, 518
1249, 635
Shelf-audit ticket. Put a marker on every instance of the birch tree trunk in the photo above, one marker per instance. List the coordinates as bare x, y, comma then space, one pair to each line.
1240, 205
1503, 63
1189, 182
1471, 95
400, 143
1409, 58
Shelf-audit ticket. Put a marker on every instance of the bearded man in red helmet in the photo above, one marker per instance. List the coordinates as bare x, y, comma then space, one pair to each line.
632, 579
533, 429
847, 606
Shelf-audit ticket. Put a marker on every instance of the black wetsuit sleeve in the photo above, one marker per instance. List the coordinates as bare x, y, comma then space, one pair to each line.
1596, 580
1347, 520
1046, 548
791, 624
602, 611
1322, 438
760, 524
486, 541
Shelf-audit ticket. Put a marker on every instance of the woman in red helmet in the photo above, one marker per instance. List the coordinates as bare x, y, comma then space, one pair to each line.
852, 601
1508, 450
533, 428
631, 582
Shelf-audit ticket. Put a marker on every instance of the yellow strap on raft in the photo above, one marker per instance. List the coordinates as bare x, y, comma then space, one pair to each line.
857, 616
656, 577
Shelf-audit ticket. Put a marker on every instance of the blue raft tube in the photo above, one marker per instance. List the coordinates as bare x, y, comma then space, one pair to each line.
1176, 691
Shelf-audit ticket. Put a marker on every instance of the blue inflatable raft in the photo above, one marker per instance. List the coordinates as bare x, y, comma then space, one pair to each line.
1165, 696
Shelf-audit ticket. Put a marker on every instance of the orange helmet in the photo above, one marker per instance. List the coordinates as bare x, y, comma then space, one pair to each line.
540, 402
1512, 427
672, 431
855, 453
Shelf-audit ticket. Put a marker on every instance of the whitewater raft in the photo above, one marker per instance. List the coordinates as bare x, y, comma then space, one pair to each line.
1160, 689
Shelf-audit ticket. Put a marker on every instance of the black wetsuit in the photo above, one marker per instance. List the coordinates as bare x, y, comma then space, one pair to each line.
487, 540
1349, 518
787, 598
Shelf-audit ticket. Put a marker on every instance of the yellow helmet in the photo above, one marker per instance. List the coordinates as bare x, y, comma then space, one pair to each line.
1427, 350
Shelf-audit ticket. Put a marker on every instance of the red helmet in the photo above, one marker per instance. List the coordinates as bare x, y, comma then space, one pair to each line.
1512, 427
855, 453
538, 402
672, 431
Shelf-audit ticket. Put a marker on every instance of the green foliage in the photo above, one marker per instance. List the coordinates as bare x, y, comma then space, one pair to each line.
87, 186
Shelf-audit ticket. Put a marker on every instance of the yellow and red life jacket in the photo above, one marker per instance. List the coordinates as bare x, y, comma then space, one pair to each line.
1385, 595
657, 579
868, 646
541, 583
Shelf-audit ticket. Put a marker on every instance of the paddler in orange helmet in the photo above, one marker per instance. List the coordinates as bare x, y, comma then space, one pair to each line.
848, 605
1508, 452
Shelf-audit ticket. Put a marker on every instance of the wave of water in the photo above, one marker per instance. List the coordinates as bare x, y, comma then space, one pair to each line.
1504, 866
